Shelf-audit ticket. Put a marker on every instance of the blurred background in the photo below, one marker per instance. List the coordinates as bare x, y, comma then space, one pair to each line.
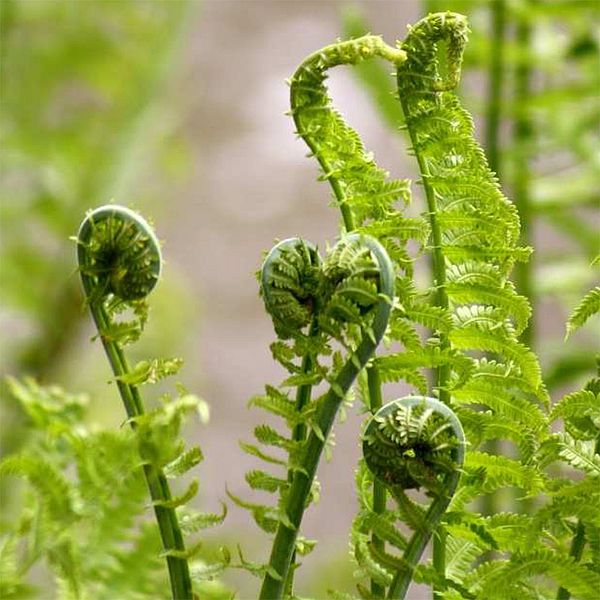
177, 109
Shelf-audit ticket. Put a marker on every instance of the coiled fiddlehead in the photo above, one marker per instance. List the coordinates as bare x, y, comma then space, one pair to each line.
348, 298
415, 443
119, 262
289, 282
118, 254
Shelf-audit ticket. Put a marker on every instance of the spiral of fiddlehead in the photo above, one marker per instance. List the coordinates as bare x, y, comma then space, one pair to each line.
352, 305
120, 263
413, 443
289, 284
118, 254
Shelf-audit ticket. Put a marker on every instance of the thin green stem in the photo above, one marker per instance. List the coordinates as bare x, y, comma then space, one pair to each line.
313, 70
379, 491
495, 84
303, 394
419, 541
299, 492
172, 539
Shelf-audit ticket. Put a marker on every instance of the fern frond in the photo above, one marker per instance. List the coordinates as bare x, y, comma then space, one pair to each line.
580, 454
191, 522
462, 554
499, 471
589, 306
184, 462
55, 491
581, 581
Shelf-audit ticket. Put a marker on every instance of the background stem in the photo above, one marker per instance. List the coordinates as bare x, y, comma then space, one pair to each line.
522, 134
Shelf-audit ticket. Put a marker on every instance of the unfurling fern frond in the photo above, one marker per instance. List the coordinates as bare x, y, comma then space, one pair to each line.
120, 263
411, 443
329, 317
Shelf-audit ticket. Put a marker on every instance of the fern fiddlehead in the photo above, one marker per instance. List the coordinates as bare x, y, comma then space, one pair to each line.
346, 298
120, 261
413, 443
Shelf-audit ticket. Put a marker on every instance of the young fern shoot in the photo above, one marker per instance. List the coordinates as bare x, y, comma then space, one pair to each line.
120, 263
329, 316
414, 443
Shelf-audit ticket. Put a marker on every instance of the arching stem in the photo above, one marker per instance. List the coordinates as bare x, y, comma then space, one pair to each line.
379, 491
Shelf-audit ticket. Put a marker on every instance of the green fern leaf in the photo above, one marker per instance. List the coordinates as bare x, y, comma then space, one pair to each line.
191, 522
589, 306
259, 480
184, 462
580, 454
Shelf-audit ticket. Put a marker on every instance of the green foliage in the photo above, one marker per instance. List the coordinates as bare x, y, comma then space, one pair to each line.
462, 338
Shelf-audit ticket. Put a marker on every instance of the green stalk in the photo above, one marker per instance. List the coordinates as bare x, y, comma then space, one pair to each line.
379, 490
170, 533
303, 394
442, 373
418, 542
285, 536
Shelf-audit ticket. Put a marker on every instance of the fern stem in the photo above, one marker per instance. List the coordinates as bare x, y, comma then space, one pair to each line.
495, 84
303, 394
307, 79
379, 491
299, 492
170, 533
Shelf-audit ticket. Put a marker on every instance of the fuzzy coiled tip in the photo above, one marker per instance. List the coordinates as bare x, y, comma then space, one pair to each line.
415, 442
297, 287
289, 282
118, 253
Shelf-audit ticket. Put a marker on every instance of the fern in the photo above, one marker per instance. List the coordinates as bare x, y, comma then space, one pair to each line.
345, 300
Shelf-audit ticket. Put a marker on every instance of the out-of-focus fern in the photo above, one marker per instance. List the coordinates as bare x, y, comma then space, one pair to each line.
70, 134
82, 508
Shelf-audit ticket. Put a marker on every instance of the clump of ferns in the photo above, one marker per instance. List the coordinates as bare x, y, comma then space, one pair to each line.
470, 232
329, 316
120, 263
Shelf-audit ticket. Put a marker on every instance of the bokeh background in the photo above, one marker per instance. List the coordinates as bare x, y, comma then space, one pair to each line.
178, 109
